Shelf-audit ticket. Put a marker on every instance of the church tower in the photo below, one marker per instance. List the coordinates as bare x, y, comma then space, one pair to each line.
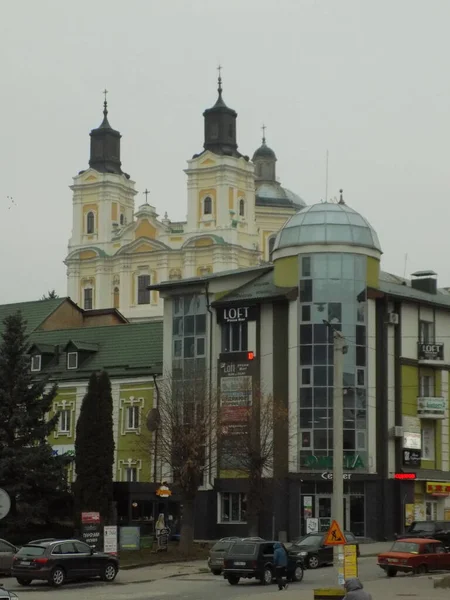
221, 184
103, 204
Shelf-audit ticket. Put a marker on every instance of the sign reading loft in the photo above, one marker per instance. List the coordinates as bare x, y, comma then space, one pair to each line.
430, 353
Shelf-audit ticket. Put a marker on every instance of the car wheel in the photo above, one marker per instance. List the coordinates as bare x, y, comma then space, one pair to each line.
216, 572
109, 572
21, 581
298, 573
267, 576
421, 570
57, 577
233, 579
313, 562
391, 572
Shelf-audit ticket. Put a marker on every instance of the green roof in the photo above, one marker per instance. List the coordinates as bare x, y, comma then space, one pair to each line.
35, 312
203, 278
128, 350
82, 346
260, 289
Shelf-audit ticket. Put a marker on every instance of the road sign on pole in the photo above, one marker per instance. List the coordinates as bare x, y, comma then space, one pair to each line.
335, 537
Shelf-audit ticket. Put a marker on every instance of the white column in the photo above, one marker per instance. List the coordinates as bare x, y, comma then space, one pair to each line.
73, 283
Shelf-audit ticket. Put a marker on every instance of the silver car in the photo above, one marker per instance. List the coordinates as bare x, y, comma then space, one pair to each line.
7, 552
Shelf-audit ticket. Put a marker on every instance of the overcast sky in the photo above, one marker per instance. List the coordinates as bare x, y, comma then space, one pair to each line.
367, 80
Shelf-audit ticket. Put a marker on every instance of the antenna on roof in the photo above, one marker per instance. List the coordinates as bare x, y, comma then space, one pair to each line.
406, 262
326, 179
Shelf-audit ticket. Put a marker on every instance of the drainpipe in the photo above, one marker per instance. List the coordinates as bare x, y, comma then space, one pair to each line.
155, 463
208, 308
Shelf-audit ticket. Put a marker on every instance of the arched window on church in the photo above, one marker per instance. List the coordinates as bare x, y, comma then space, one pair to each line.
116, 297
271, 245
241, 208
90, 222
122, 219
207, 206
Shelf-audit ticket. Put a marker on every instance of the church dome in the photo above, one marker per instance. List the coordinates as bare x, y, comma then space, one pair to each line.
264, 152
271, 193
327, 223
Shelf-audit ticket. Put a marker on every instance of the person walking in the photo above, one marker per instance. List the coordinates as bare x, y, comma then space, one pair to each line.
354, 590
280, 561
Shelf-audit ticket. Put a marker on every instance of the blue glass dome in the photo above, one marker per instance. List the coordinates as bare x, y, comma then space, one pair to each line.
327, 223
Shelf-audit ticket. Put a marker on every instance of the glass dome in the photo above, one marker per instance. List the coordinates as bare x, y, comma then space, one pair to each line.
327, 223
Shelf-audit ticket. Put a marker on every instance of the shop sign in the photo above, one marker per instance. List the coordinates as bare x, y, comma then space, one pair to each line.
438, 488
110, 539
431, 408
431, 352
329, 476
91, 534
130, 538
412, 440
412, 458
90, 517
405, 476
68, 450
351, 461
239, 314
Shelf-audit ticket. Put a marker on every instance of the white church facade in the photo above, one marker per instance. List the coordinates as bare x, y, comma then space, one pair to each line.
234, 208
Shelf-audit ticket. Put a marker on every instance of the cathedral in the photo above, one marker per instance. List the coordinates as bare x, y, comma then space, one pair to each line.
235, 206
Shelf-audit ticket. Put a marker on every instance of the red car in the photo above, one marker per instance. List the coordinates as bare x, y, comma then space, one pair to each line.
415, 555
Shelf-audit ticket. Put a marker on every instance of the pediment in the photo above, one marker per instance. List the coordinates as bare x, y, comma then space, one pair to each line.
145, 229
208, 162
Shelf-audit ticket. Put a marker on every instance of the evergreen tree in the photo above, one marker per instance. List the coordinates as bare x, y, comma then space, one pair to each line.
29, 471
51, 295
94, 448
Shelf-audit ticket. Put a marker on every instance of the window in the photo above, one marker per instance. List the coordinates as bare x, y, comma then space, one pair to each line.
88, 299
235, 337
431, 510
36, 362
426, 386
426, 332
207, 206
306, 376
116, 297
72, 360
428, 440
122, 219
131, 474
64, 421
271, 245
233, 507
241, 208
143, 292
85, 549
306, 266
90, 222
133, 417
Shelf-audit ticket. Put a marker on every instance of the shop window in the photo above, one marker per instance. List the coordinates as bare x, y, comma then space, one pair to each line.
426, 386
143, 294
207, 206
233, 507
88, 298
431, 510
306, 440
64, 421
428, 440
36, 362
426, 332
235, 337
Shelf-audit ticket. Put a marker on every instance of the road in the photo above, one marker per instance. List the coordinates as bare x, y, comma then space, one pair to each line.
137, 585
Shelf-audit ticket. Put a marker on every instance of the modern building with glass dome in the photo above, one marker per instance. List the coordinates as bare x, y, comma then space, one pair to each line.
273, 324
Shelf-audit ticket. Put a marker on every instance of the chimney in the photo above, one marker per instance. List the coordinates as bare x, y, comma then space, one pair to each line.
424, 281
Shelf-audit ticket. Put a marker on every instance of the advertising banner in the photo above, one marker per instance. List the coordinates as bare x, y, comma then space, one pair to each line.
110, 539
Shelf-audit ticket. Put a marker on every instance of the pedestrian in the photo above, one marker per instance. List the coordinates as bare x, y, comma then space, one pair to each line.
280, 561
354, 590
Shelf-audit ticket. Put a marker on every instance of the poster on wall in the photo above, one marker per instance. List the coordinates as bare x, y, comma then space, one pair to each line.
419, 512
409, 514
312, 525
307, 507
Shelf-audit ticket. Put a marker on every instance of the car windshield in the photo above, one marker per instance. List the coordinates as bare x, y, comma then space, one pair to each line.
31, 551
221, 546
310, 540
421, 526
409, 547
244, 549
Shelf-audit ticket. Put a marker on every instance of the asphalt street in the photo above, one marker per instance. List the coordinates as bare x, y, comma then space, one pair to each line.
204, 586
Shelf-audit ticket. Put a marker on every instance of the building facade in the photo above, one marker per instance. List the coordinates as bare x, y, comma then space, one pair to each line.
270, 326
234, 209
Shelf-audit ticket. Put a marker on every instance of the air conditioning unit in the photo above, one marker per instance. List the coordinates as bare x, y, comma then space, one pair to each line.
392, 318
397, 431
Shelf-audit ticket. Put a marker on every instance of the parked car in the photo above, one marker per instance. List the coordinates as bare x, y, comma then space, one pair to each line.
217, 554
61, 560
437, 530
6, 594
7, 552
41, 541
416, 555
254, 559
312, 549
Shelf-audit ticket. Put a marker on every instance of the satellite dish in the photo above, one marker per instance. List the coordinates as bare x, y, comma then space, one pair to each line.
153, 419
5, 503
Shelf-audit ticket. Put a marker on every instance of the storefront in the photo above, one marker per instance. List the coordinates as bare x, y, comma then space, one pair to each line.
431, 500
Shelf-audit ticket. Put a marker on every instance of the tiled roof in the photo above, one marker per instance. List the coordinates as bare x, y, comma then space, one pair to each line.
197, 280
259, 289
401, 287
128, 350
35, 312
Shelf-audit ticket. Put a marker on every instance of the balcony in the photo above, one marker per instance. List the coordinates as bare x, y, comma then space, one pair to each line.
430, 353
431, 407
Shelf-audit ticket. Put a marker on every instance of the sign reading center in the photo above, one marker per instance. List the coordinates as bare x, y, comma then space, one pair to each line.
236, 314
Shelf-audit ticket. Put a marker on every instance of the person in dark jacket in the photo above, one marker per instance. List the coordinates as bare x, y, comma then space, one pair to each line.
354, 590
280, 562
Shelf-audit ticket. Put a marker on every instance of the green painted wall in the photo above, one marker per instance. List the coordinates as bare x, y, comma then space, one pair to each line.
373, 272
285, 271
65, 399
137, 446
410, 390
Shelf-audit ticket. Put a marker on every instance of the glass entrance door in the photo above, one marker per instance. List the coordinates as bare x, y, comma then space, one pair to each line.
323, 512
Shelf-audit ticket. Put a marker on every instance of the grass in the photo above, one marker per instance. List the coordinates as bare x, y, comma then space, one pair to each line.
151, 557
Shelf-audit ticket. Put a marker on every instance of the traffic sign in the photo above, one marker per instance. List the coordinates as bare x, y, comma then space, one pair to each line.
335, 537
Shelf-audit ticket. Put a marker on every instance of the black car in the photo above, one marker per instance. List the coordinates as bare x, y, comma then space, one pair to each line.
61, 560
220, 548
312, 549
437, 530
254, 559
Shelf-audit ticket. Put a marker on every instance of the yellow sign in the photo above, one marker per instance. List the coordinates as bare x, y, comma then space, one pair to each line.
335, 537
409, 514
163, 492
350, 562
438, 488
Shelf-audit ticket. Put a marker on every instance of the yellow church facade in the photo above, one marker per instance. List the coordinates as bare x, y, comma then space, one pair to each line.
235, 206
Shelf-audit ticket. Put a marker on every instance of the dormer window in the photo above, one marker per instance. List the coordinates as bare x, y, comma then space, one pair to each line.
36, 361
241, 208
72, 360
207, 206
90, 222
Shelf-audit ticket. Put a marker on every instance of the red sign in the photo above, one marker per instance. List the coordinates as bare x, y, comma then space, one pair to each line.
250, 355
90, 517
405, 476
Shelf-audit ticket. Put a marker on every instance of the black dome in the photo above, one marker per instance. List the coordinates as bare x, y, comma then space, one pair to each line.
264, 152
